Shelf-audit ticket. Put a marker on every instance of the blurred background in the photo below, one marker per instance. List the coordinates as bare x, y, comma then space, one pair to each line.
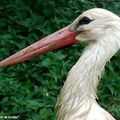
30, 89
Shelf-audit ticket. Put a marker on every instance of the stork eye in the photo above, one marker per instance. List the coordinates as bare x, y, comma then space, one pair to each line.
85, 20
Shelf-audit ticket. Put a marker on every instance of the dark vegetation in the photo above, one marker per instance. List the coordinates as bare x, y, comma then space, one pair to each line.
30, 89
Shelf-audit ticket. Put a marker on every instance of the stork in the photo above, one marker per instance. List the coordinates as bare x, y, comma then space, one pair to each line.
101, 29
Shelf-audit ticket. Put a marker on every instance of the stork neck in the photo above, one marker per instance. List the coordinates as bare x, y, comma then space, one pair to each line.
79, 90
85, 74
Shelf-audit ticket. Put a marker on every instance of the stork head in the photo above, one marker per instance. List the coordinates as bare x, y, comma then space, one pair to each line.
89, 26
94, 24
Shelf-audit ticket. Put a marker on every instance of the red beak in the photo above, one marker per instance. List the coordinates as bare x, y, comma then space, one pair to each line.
56, 40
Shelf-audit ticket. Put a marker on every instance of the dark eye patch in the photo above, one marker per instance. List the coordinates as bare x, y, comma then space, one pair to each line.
85, 20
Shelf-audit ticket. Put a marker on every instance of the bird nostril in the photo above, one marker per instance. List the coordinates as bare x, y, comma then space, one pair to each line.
72, 28
77, 31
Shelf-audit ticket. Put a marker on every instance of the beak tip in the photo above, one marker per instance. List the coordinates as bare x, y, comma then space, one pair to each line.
2, 65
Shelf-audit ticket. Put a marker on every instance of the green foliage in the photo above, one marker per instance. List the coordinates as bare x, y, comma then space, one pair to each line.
30, 89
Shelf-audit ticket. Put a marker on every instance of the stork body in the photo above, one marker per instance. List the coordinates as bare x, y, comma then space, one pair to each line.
101, 29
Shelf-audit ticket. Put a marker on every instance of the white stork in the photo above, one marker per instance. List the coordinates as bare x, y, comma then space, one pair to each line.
101, 29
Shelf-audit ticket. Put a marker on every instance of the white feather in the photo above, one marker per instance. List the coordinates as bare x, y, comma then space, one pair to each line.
77, 100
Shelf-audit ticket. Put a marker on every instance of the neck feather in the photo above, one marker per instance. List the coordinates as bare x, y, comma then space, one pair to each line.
81, 85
